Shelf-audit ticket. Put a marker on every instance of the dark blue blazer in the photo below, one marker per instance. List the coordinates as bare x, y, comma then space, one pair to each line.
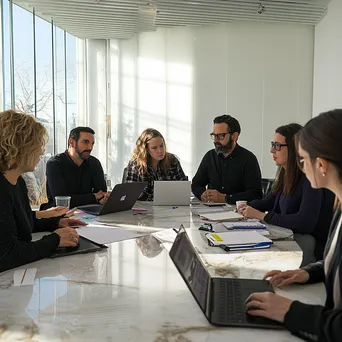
306, 211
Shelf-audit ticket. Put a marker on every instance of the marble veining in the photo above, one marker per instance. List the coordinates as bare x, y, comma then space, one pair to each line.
133, 292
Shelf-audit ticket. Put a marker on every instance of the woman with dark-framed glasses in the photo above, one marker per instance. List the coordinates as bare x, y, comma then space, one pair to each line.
293, 203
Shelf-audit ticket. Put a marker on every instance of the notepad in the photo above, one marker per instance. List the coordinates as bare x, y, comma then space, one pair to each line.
239, 239
222, 216
24, 276
244, 225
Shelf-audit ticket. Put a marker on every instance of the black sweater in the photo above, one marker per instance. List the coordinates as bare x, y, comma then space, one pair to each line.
65, 178
238, 175
315, 322
17, 222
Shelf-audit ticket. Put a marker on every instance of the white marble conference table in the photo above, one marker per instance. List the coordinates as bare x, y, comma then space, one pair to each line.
133, 292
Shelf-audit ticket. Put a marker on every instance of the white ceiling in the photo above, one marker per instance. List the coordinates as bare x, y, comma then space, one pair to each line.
105, 19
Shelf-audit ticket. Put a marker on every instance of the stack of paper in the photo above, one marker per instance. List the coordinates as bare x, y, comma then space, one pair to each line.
222, 216
239, 240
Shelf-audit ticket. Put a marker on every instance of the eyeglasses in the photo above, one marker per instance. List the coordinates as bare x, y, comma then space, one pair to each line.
219, 136
277, 146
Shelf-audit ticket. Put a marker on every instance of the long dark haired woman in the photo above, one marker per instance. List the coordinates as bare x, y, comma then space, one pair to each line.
320, 152
293, 203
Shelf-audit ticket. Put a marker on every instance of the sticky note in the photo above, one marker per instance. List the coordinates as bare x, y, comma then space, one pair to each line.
216, 237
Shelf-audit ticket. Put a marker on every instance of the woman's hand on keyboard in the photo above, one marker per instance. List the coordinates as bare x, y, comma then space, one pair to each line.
269, 305
280, 279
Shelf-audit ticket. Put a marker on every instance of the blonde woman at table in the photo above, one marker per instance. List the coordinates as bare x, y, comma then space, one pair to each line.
320, 153
22, 142
151, 162
292, 202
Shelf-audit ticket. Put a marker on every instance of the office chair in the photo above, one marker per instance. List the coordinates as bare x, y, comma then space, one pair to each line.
266, 186
124, 175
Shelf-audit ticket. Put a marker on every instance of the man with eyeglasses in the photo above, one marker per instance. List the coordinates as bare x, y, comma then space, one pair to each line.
229, 172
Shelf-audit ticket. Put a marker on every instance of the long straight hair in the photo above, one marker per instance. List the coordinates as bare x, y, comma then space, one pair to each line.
321, 137
286, 180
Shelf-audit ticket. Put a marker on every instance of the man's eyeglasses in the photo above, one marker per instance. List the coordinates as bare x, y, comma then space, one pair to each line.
277, 146
219, 136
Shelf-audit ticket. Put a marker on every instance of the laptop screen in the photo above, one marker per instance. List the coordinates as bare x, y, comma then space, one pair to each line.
187, 261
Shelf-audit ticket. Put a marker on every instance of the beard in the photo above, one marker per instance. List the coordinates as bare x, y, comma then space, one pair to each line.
219, 148
82, 154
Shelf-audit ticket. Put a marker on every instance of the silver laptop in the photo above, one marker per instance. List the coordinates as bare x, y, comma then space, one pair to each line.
172, 193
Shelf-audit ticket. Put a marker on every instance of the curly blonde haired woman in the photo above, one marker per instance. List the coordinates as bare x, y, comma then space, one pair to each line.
151, 161
22, 142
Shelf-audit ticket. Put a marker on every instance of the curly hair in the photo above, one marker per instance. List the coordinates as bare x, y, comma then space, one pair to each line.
140, 154
21, 137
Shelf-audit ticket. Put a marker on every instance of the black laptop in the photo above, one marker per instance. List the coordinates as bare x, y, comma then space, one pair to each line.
222, 300
122, 197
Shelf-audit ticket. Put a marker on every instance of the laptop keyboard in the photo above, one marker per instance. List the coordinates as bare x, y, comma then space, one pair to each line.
229, 303
229, 292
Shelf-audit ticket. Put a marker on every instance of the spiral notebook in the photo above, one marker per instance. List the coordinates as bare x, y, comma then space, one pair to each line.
244, 225
222, 216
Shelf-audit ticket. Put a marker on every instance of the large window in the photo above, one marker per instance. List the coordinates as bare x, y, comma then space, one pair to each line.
6, 55
39, 71
23, 58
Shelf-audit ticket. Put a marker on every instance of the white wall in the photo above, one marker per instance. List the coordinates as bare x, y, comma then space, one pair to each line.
177, 80
260, 73
328, 60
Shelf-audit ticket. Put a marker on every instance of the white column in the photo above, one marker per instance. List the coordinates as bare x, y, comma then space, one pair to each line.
96, 96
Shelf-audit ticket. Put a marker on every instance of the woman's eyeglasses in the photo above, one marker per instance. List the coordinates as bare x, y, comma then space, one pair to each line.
277, 146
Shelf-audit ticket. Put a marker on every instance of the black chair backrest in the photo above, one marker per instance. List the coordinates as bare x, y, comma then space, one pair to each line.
266, 186
124, 175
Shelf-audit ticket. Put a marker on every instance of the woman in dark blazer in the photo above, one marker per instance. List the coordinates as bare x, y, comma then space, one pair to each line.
320, 153
293, 203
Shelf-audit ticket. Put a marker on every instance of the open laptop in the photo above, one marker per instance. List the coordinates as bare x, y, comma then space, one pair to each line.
122, 197
222, 300
172, 193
